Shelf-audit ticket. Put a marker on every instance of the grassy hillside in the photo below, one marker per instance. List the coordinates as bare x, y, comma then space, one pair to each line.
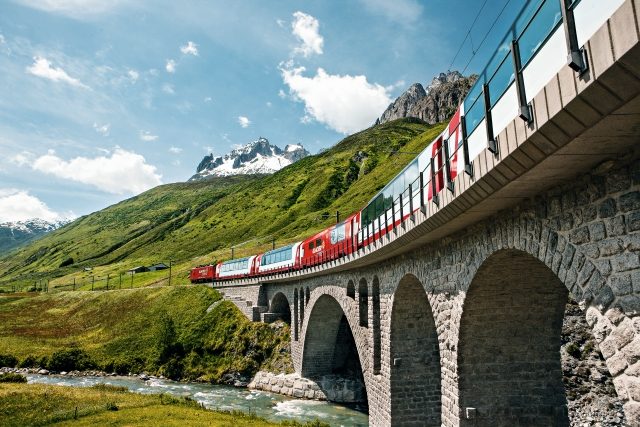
192, 223
34, 404
159, 330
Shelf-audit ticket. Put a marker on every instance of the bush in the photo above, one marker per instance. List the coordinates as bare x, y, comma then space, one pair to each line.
66, 262
10, 377
73, 359
573, 349
111, 406
8, 361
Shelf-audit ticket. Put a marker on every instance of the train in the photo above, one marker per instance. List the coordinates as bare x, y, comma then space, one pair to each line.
421, 180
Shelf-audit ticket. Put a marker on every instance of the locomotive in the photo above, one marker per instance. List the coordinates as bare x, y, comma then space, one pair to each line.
420, 180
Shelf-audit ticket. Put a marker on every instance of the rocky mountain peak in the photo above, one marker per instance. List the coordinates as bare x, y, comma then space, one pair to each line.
433, 105
16, 233
255, 157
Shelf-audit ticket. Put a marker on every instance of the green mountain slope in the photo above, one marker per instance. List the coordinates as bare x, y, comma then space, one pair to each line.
198, 222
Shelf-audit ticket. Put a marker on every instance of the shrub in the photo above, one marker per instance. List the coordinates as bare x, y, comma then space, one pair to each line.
8, 361
66, 262
70, 360
573, 349
111, 406
28, 362
10, 377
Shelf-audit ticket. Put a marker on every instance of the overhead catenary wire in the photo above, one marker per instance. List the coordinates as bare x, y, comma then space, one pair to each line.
486, 35
468, 34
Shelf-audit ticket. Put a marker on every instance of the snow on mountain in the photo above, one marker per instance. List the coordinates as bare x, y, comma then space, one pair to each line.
256, 157
15, 233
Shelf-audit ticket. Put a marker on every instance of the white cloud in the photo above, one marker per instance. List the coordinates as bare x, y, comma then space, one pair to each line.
133, 75
167, 88
21, 159
121, 172
147, 136
2, 40
208, 99
175, 150
305, 28
19, 205
189, 49
171, 66
102, 129
401, 11
244, 121
41, 67
281, 23
346, 103
73, 8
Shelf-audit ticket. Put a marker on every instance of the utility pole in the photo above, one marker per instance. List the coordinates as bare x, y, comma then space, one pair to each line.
273, 243
120, 283
233, 252
170, 261
107, 282
132, 280
93, 279
337, 217
74, 283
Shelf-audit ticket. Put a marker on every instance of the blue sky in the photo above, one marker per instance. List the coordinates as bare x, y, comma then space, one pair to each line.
101, 100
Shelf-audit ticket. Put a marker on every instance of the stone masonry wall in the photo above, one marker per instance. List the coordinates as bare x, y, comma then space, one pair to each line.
585, 232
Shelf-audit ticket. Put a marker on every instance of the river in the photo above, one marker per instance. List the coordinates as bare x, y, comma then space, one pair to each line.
271, 406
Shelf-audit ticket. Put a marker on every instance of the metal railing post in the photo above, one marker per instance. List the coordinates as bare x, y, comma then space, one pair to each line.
488, 120
577, 58
434, 193
468, 166
447, 164
523, 107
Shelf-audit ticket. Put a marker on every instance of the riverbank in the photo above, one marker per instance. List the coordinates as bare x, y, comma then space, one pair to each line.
273, 407
39, 404
181, 333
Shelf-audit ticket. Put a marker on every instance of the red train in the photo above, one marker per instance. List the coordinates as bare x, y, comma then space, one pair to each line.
418, 182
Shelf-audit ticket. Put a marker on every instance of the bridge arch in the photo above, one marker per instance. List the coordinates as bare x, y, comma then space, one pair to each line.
333, 350
415, 357
509, 344
280, 308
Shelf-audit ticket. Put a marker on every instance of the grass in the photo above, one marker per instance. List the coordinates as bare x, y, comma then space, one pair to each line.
36, 405
165, 331
198, 222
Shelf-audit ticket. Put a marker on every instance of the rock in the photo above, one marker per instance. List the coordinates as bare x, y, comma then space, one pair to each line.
63, 373
435, 104
143, 377
43, 372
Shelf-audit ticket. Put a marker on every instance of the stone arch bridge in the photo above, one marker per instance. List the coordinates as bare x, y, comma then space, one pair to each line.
455, 317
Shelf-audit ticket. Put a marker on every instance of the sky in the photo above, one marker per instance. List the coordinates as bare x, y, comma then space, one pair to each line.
102, 100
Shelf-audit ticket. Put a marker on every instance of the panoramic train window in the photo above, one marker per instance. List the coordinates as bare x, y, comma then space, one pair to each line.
277, 255
337, 234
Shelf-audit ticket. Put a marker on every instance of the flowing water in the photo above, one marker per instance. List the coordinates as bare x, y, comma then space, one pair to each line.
267, 405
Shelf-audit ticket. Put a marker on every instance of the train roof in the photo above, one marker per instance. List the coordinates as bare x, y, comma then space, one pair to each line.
237, 259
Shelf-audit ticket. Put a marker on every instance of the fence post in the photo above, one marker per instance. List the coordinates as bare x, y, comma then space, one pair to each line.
74, 283
93, 279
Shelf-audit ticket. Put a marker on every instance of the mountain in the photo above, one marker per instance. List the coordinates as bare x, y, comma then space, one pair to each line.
198, 222
257, 157
434, 104
14, 234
